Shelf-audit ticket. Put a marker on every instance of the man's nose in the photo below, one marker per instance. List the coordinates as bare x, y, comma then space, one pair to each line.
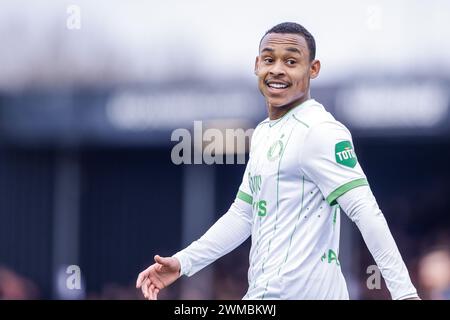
277, 69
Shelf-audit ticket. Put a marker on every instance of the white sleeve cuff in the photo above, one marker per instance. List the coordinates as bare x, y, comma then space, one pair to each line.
408, 296
185, 264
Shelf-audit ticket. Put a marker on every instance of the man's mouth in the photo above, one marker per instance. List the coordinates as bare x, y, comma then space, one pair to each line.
278, 85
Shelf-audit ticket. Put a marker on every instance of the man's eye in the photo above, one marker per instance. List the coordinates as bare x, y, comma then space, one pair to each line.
268, 60
291, 62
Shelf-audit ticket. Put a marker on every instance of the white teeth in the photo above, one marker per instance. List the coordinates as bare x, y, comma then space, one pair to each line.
277, 85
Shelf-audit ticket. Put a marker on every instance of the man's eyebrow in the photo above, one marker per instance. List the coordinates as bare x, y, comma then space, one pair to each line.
268, 49
292, 49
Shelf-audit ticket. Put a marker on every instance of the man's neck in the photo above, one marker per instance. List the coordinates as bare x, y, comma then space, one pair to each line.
278, 112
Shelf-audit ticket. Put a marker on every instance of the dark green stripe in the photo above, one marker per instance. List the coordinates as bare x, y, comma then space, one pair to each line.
245, 197
334, 214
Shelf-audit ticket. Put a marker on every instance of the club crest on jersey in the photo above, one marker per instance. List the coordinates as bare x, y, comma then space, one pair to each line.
345, 154
275, 150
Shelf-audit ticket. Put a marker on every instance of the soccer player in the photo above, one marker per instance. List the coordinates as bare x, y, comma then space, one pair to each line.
302, 170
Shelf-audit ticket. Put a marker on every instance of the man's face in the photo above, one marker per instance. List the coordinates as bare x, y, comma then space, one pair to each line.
284, 69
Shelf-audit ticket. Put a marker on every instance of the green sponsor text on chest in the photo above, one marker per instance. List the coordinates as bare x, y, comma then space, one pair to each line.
255, 183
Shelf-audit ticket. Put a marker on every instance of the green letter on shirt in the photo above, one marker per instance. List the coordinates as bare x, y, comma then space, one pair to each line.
262, 208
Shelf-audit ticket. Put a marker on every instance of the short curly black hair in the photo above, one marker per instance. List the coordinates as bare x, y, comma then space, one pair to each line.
295, 28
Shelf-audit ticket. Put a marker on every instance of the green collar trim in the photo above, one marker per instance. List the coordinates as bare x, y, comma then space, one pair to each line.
271, 124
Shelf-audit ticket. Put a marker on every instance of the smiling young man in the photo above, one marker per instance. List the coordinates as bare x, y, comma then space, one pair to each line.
302, 169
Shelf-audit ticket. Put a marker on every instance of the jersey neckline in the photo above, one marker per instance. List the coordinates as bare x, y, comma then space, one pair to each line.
285, 116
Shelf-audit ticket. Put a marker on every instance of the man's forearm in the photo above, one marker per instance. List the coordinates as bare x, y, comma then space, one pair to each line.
362, 208
233, 228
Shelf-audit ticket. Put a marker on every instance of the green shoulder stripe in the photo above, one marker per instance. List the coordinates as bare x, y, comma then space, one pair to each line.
331, 199
245, 197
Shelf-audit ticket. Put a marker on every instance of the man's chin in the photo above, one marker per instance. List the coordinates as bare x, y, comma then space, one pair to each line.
282, 102
276, 103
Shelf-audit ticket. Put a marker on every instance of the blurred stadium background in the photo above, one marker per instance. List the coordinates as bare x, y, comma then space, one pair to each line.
89, 96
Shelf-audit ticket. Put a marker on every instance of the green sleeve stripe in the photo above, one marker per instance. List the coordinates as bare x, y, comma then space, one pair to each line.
245, 197
331, 199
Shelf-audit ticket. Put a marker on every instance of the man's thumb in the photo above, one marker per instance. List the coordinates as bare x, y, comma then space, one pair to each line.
163, 261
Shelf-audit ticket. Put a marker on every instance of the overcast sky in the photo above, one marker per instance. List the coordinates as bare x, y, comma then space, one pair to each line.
160, 40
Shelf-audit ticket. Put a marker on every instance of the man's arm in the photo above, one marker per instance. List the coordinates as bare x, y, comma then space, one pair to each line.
361, 207
329, 160
232, 229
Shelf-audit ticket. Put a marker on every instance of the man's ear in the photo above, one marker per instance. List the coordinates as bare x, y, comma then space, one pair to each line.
256, 65
314, 69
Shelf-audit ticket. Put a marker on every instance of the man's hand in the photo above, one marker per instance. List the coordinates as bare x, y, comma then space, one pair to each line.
158, 276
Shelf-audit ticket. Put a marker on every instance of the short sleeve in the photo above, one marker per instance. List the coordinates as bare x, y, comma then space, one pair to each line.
329, 159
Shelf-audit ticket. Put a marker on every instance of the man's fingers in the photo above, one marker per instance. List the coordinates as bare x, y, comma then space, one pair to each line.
152, 292
144, 288
147, 284
149, 291
142, 276
150, 280
159, 284
156, 293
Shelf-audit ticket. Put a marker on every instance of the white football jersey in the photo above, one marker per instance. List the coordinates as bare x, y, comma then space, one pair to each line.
298, 166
